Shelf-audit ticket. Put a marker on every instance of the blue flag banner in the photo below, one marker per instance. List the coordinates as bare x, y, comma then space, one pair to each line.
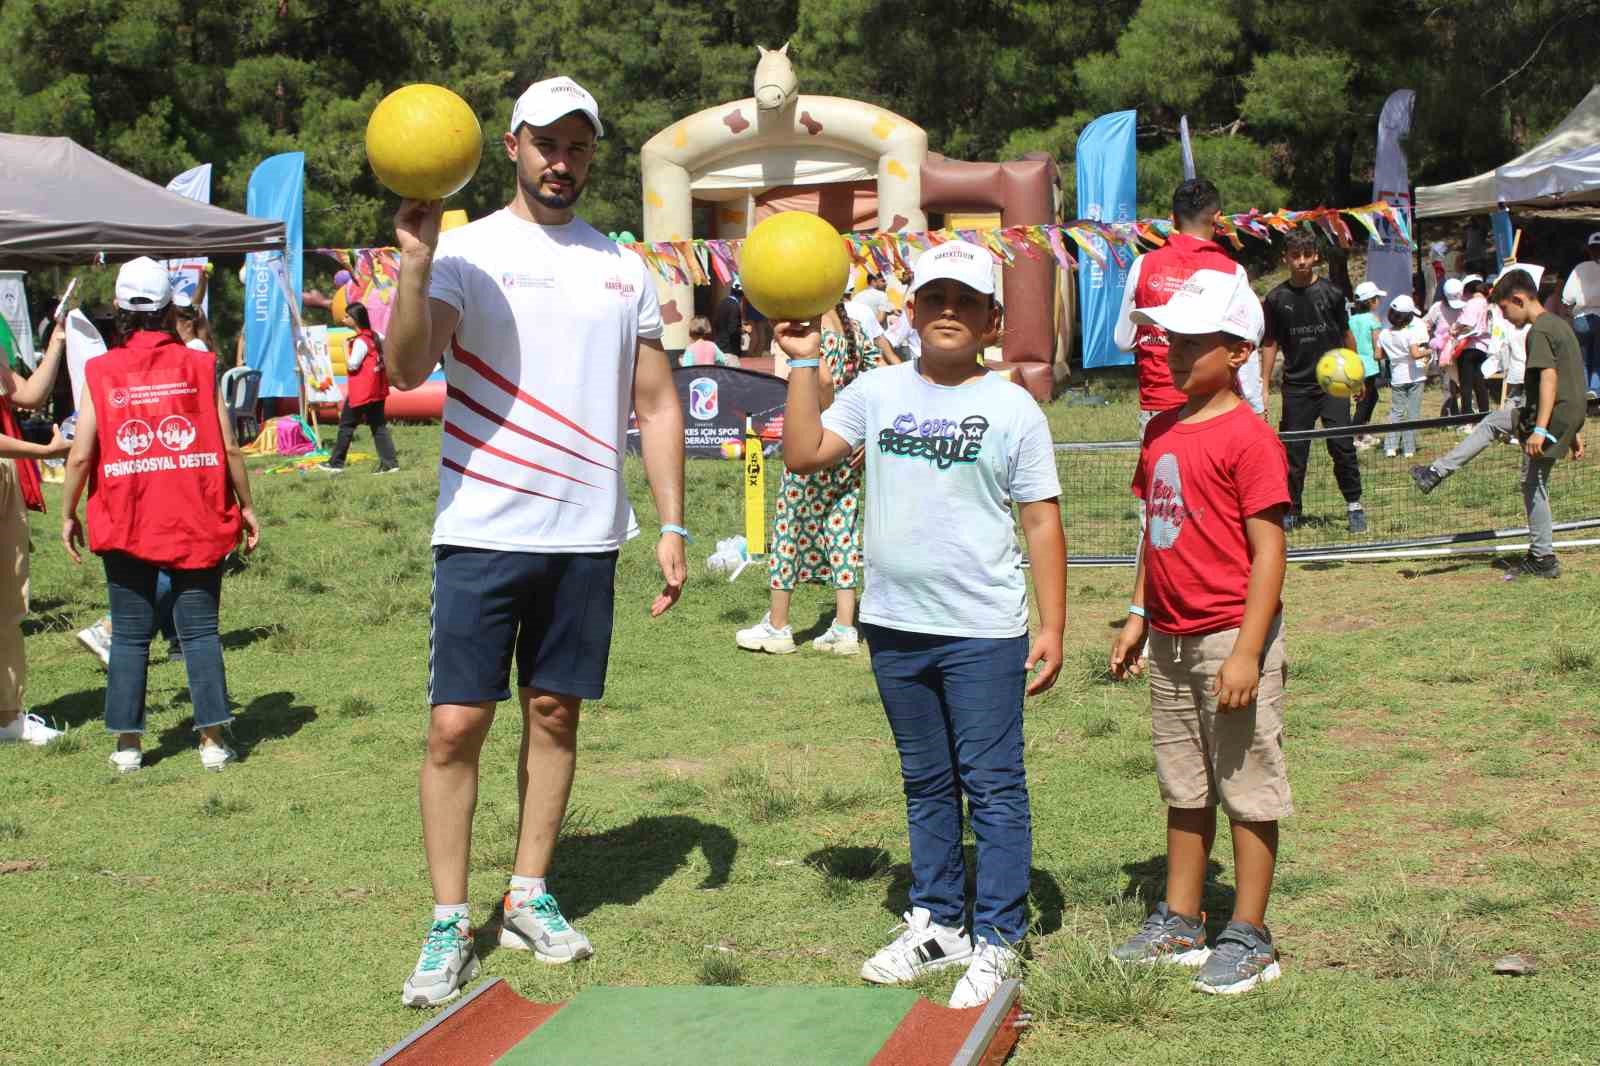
1504, 234
1107, 192
277, 190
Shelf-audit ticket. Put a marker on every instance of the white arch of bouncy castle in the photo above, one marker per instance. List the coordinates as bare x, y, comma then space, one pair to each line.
734, 151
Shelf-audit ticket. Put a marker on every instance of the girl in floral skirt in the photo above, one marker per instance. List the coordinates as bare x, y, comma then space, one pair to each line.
816, 528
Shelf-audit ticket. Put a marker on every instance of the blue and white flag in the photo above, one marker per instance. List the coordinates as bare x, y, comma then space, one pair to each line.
277, 190
195, 184
1107, 192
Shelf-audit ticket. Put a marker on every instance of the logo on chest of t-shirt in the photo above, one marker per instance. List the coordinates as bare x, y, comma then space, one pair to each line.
1166, 510
523, 280
943, 442
623, 288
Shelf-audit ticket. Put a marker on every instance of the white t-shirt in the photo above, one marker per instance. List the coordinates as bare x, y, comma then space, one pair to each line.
1582, 290
540, 376
944, 466
1396, 347
876, 299
865, 317
901, 334
198, 345
356, 356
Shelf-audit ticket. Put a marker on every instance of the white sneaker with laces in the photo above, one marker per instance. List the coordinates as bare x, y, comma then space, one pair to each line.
840, 640
28, 728
1389, 453
764, 637
537, 925
215, 757
126, 760
445, 964
991, 965
95, 639
923, 948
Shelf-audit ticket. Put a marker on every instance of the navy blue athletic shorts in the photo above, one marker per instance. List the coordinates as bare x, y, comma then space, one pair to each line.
552, 611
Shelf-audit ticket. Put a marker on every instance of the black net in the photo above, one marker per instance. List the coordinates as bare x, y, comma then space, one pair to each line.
1102, 515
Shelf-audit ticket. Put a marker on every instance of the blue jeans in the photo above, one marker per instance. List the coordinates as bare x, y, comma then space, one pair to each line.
131, 586
1587, 327
955, 707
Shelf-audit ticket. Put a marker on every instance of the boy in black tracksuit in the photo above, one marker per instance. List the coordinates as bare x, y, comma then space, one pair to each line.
1306, 317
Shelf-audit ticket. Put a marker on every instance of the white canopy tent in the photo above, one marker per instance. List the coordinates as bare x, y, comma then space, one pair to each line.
1560, 173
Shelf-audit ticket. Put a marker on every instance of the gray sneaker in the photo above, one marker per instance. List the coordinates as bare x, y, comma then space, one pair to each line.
445, 964
1243, 958
1166, 937
538, 926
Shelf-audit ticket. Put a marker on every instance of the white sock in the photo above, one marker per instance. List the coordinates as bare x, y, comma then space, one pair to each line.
443, 912
525, 888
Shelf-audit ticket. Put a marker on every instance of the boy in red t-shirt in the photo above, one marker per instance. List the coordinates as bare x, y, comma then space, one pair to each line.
1215, 482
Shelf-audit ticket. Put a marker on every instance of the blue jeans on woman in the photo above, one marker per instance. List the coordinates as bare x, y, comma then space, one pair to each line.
131, 586
955, 707
1587, 327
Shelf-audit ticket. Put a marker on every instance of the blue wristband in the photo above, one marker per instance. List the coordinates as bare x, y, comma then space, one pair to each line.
1545, 433
804, 364
668, 527
1136, 610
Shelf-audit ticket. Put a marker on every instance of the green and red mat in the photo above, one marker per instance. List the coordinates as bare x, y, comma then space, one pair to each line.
695, 1026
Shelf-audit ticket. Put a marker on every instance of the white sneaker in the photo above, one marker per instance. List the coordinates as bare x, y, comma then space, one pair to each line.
1389, 453
537, 925
216, 756
923, 948
444, 965
763, 637
28, 728
991, 965
126, 760
98, 641
840, 640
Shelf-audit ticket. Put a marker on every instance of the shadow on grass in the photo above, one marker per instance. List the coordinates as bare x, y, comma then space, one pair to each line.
235, 639
855, 863
268, 717
74, 709
48, 616
625, 864
1147, 884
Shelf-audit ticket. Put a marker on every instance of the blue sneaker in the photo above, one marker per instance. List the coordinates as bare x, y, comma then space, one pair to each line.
1166, 937
1243, 958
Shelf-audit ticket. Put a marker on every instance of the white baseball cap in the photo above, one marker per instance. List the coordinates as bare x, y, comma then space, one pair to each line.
1470, 278
957, 261
143, 285
544, 102
1210, 301
1452, 293
1404, 304
1594, 238
1368, 291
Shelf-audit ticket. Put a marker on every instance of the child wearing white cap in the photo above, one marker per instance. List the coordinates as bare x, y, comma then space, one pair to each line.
950, 447
1405, 348
1364, 327
1215, 481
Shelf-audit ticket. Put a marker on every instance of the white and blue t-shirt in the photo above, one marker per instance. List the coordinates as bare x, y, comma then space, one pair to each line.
944, 466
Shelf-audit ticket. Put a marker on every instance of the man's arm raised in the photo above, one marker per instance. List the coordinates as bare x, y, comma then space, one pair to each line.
419, 327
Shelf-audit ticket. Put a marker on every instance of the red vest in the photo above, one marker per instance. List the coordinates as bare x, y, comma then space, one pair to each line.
370, 384
1161, 273
159, 488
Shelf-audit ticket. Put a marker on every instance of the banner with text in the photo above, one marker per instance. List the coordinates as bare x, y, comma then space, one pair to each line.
1107, 192
276, 190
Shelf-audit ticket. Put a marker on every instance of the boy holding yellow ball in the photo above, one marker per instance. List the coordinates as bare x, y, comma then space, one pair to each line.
949, 448
1215, 483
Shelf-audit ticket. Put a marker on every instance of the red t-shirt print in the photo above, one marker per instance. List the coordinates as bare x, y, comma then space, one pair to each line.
1200, 481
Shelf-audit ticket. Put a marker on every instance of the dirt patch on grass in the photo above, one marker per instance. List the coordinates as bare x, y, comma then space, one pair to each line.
1338, 623
663, 767
22, 866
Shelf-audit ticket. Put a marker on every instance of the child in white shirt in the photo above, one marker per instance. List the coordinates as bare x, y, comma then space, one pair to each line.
1405, 345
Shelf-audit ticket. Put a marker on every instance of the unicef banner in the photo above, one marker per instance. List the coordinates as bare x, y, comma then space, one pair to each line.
716, 400
1107, 192
277, 190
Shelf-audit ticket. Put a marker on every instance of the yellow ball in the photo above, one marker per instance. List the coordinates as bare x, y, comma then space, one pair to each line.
341, 303
732, 449
424, 142
794, 266
1340, 373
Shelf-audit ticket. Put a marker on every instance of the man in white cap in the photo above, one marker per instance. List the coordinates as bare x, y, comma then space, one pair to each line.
551, 335
1581, 295
949, 447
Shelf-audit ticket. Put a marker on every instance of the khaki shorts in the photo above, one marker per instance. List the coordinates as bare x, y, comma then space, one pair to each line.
1206, 759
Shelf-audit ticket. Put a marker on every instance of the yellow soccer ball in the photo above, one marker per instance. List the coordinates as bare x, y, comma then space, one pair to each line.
794, 266
424, 142
1340, 373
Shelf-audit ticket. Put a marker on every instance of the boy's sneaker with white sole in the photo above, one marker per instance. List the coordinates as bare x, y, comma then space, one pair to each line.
126, 760
1166, 937
28, 728
538, 926
1243, 958
97, 640
924, 947
840, 640
764, 637
445, 964
216, 757
991, 965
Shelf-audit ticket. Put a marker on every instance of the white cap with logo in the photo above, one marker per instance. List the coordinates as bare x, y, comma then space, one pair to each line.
1404, 304
955, 261
143, 285
1452, 293
1594, 238
1368, 290
544, 103
1209, 301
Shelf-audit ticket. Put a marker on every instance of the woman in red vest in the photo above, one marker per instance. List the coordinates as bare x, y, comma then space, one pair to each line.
167, 491
366, 386
20, 493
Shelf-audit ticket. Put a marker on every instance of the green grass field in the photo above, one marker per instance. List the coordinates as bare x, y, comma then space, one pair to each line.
737, 819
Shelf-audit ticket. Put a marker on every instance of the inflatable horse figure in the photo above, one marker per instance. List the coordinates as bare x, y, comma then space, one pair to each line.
776, 84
